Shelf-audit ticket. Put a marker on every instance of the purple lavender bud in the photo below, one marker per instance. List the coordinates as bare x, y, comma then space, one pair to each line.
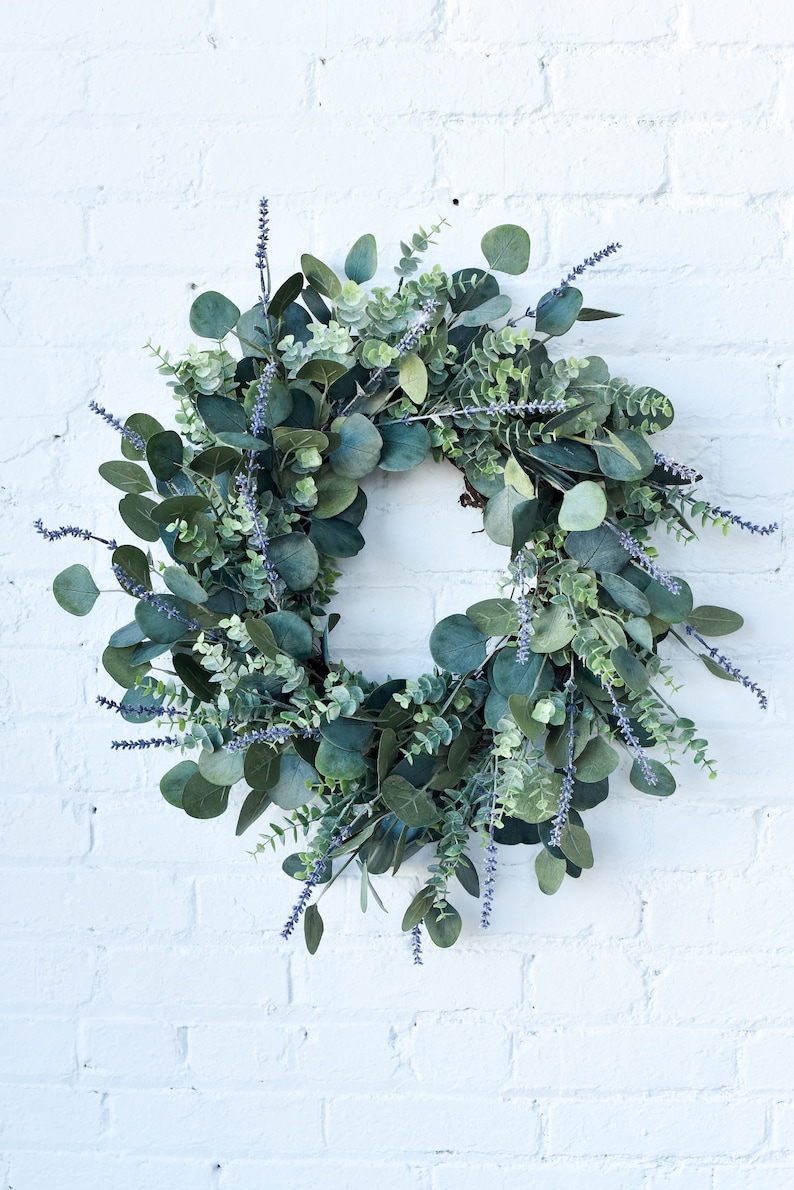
491, 860
317, 869
645, 560
524, 612
266, 379
138, 709
416, 945
156, 601
159, 742
137, 441
495, 409
566, 792
71, 531
725, 663
688, 474
565, 282
725, 514
278, 734
629, 735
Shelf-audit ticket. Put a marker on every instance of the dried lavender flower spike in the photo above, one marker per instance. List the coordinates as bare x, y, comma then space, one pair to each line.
318, 867
416, 945
725, 663
645, 560
71, 531
630, 737
688, 474
137, 441
158, 742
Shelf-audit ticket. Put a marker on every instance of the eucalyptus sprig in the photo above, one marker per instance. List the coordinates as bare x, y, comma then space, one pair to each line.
247, 510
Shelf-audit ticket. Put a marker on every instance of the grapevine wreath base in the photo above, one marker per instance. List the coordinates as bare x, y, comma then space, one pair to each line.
252, 501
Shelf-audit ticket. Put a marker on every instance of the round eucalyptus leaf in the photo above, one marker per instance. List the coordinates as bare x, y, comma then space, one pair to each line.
495, 709
510, 676
295, 781
588, 795
665, 781
335, 493
128, 477
494, 617
130, 634
262, 766
212, 315
470, 288
360, 449
487, 312
412, 806
295, 558
339, 764
631, 669
498, 516
597, 549
177, 508
135, 565
75, 590
140, 706
320, 277
556, 315
506, 248
215, 461
158, 625
336, 538
202, 799
164, 454
669, 606
584, 506
180, 583
457, 645
291, 634
597, 761
625, 594
575, 845
443, 924
361, 262
172, 783
136, 512
118, 663
639, 630
404, 447
144, 426
221, 767
625, 456
222, 414
413, 378
521, 710
354, 734
553, 630
710, 620
550, 871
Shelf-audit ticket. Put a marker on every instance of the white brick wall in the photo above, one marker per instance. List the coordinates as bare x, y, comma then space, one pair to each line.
636, 1032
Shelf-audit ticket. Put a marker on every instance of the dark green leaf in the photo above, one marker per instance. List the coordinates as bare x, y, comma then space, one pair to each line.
625, 594
672, 608
361, 262
443, 923
295, 558
550, 871
498, 516
202, 799
404, 447
590, 314
192, 674
262, 635
521, 710
140, 706
457, 645
177, 508
467, 875
360, 449
164, 454
335, 493
665, 781
136, 512
553, 629
488, 312
494, 617
222, 414
215, 461
293, 788
556, 315
135, 565
118, 663
128, 477
633, 672
221, 767
75, 590
291, 634
143, 425
339, 763
312, 928
597, 549
212, 315
412, 806
180, 583
336, 538
714, 621
286, 293
158, 625
506, 248
262, 767
511, 676
252, 808
320, 277
575, 845
130, 634
418, 908
634, 461
172, 783
597, 761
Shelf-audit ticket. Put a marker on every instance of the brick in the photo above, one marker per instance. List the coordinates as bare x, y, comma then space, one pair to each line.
716, 988
632, 1058
297, 1174
763, 24
579, 22
196, 975
96, 899
40, 1049
503, 1124
658, 1127
603, 159
129, 1051
31, 1117
43, 828
488, 1047
46, 973
744, 917
766, 1060
106, 1170
746, 161
773, 1177
548, 1175
222, 1054
680, 913
614, 984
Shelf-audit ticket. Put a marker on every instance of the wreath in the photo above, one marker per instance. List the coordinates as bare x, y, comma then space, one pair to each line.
256, 496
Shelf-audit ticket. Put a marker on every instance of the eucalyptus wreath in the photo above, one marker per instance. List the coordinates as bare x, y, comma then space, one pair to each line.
256, 495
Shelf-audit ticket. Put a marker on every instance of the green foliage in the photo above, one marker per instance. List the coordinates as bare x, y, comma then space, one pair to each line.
249, 505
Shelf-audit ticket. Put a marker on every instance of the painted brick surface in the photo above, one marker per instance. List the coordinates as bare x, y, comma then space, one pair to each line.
636, 1030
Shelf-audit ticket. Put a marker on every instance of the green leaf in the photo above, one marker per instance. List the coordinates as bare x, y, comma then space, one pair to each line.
597, 761
158, 625
128, 477
404, 447
458, 645
322, 371
221, 767
471, 287
262, 766
575, 845
443, 924
640, 631
625, 456
511, 676
135, 565
251, 332
118, 663
665, 781
714, 621
387, 752
172, 783
288, 438
556, 315
312, 928
296, 560
136, 512
361, 262
488, 312
625, 594
412, 806
631, 669
413, 378
467, 876
293, 788
222, 414
262, 635
596, 549
583, 507
418, 908
286, 293
177, 508
212, 315
291, 633
339, 763
521, 710
202, 799
498, 516
320, 277
252, 808
553, 630
494, 617
590, 314
506, 248
143, 425
550, 871
139, 706
180, 583
335, 493
360, 449
353, 734
215, 461
336, 538
517, 478
129, 634
192, 674
75, 590
715, 669
164, 454
668, 606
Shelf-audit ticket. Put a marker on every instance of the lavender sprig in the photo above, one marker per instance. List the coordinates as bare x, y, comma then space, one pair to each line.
566, 792
524, 606
411, 337
725, 663
688, 474
725, 514
137, 441
157, 601
261, 249
492, 859
317, 869
645, 560
565, 282
71, 531
492, 410
137, 709
630, 736
245, 486
278, 734
416, 945
159, 742
257, 424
